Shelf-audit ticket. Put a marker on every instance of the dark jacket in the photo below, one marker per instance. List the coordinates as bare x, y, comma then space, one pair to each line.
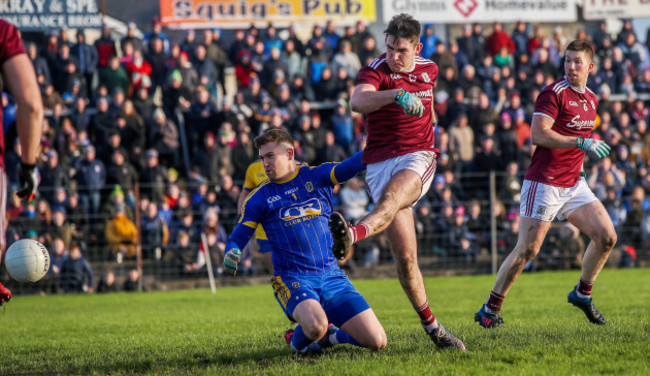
86, 56
74, 272
91, 175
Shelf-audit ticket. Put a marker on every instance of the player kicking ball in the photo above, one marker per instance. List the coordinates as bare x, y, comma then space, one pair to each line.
293, 206
564, 118
395, 93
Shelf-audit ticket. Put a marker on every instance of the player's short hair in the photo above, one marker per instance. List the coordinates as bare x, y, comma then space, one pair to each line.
580, 45
279, 135
403, 25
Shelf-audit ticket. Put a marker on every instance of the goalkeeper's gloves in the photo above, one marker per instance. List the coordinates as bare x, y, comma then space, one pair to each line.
28, 180
411, 104
231, 260
595, 148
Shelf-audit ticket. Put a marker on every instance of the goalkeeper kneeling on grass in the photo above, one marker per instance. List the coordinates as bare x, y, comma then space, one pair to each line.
293, 206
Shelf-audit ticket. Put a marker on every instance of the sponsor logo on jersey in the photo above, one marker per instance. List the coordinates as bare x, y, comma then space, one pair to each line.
300, 210
573, 103
273, 199
425, 77
309, 186
395, 76
581, 124
424, 93
413, 78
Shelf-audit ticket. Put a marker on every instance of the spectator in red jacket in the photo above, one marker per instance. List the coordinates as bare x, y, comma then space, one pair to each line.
105, 46
499, 39
139, 71
243, 68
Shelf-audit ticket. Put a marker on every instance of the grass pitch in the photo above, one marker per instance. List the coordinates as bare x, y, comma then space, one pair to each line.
239, 330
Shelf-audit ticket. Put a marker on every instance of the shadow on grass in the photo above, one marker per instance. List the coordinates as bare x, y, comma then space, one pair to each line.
227, 358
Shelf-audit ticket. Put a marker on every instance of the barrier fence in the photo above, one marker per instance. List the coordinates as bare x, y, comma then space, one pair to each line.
463, 227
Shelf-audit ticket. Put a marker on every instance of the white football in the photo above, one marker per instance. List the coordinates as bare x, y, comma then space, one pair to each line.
27, 260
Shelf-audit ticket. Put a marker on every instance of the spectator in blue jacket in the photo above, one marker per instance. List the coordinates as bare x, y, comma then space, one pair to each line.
87, 59
91, 177
429, 39
154, 232
76, 274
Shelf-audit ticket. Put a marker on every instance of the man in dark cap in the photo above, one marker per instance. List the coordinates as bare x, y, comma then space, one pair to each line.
87, 59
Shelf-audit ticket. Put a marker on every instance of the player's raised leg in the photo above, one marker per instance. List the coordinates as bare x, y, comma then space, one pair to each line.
402, 190
531, 236
593, 220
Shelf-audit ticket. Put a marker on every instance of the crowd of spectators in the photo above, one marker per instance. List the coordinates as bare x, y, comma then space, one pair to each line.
129, 113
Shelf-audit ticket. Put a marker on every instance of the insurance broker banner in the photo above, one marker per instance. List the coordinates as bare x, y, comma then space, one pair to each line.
51, 14
238, 13
462, 11
602, 9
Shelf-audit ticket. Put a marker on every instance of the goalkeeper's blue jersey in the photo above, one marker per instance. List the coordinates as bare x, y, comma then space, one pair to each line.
294, 214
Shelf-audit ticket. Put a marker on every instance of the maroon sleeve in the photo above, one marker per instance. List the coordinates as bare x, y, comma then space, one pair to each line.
434, 75
547, 104
369, 76
10, 42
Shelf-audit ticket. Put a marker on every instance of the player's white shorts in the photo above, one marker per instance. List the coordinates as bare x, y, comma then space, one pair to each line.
378, 174
545, 202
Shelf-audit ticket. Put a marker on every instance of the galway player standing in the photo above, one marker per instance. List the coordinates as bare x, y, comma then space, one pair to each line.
395, 91
564, 117
18, 73
293, 206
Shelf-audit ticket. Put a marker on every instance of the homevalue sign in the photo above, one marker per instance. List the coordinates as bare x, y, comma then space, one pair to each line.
238, 13
602, 9
462, 11
51, 14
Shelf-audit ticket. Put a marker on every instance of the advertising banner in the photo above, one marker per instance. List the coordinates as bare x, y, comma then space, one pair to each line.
602, 9
51, 14
242, 13
462, 11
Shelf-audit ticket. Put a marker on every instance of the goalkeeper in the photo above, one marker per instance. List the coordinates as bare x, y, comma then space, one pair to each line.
563, 121
293, 205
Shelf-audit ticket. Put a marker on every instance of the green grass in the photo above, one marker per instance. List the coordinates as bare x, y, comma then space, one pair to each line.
239, 331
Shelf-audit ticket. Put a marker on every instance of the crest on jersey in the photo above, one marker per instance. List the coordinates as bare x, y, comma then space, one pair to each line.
413, 78
309, 186
425, 77
311, 207
593, 105
295, 285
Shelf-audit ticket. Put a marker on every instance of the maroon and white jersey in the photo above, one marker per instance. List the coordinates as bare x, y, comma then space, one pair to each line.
574, 114
10, 46
391, 133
